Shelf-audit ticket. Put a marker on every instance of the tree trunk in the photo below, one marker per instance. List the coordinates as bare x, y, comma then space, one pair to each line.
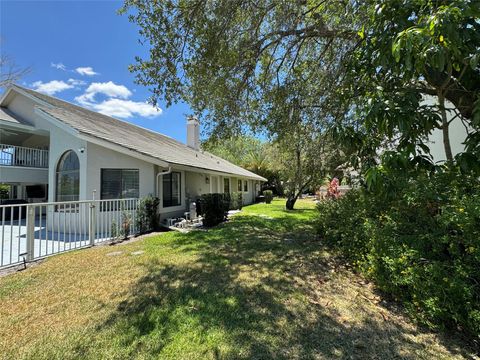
445, 130
291, 199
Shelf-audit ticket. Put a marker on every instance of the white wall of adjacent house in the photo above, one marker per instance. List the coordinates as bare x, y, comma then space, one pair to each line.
458, 133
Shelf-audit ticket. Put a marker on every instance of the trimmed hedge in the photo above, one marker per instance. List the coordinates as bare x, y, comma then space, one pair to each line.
421, 245
214, 208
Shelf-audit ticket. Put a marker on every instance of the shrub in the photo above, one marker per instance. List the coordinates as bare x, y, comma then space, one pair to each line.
421, 246
147, 219
236, 201
4, 191
214, 208
268, 196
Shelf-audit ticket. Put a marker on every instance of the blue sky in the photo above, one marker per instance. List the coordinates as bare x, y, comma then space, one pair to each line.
79, 51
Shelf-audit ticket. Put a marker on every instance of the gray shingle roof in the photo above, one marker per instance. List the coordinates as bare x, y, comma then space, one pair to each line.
132, 137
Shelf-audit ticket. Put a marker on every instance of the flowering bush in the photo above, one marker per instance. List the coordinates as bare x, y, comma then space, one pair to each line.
332, 191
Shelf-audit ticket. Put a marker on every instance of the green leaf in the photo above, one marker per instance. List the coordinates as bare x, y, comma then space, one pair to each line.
474, 61
361, 33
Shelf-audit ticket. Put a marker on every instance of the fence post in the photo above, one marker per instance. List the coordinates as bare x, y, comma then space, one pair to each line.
30, 232
92, 223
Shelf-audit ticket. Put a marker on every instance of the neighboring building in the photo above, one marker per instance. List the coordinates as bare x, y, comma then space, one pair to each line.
52, 150
457, 130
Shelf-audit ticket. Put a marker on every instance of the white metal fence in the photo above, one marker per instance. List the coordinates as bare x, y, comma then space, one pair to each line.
11, 155
32, 231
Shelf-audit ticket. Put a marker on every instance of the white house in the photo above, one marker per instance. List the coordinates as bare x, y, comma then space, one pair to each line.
458, 132
52, 150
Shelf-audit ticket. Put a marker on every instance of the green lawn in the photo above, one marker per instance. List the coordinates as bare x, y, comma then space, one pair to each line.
260, 286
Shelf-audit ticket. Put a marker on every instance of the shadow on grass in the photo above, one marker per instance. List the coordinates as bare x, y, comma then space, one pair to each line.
241, 296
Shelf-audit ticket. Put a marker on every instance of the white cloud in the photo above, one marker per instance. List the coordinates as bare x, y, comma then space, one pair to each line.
87, 70
126, 108
117, 103
51, 87
76, 82
58, 66
109, 89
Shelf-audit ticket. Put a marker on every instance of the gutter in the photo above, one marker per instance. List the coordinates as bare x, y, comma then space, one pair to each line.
168, 171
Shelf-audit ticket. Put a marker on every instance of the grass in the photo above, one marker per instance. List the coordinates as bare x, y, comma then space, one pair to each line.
260, 286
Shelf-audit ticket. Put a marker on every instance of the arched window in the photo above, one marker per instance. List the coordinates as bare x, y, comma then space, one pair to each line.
68, 177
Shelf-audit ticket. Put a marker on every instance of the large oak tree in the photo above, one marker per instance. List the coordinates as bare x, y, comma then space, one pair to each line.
359, 67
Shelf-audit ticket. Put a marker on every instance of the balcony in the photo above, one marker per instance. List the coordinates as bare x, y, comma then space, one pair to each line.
20, 156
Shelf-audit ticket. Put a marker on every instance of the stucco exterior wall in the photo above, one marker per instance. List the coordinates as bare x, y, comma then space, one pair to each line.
99, 157
14, 174
24, 108
60, 142
196, 184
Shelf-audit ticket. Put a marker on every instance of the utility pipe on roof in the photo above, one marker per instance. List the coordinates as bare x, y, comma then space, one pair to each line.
168, 171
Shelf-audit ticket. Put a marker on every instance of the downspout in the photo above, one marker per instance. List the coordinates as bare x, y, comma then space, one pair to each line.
168, 171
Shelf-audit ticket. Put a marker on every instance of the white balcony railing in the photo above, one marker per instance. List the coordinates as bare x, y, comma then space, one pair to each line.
11, 155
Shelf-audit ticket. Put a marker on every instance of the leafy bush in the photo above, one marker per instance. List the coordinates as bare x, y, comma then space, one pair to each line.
147, 219
214, 208
4, 190
236, 201
422, 245
268, 196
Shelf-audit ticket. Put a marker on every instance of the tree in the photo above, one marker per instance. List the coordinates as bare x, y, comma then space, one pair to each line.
252, 154
413, 49
9, 71
359, 67
225, 58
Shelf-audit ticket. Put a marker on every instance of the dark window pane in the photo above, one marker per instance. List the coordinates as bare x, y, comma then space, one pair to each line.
226, 185
171, 189
120, 184
245, 186
130, 186
68, 177
239, 187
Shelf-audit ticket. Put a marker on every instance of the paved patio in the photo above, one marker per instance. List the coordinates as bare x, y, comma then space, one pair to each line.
13, 241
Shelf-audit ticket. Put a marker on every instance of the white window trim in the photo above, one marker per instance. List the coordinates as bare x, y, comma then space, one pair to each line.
182, 195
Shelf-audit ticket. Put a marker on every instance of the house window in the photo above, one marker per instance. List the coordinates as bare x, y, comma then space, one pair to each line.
226, 185
171, 189
68, 177
245, 186
120, 184
239, 185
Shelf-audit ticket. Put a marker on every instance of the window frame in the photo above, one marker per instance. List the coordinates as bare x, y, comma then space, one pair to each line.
239, 185
171, 189
102, 171
58, 173
229, 185
245, 186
